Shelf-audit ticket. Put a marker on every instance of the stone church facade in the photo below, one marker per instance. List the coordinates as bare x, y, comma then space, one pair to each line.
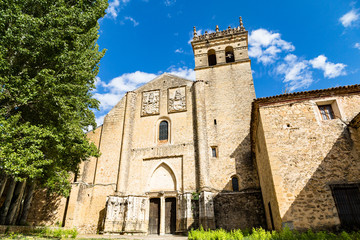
177, 154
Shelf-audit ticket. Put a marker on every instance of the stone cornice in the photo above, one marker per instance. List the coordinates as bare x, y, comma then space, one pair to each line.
223, 64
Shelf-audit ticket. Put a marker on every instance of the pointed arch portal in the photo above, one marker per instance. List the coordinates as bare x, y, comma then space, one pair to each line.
163, 179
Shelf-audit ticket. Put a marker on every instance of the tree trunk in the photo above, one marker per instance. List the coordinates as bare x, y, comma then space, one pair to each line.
18, 193
20, 205
2, 184
5, 208
27, 202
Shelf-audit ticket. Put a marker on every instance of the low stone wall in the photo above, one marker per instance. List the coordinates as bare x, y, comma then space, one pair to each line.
239, 210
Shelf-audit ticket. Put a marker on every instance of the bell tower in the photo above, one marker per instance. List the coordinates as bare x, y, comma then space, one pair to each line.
223, 94
220, 47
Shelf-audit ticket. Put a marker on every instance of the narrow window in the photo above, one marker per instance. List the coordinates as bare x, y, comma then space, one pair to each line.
326, 112
235, 184
212, 57
164, 131
229, 54
215, 122
214, 152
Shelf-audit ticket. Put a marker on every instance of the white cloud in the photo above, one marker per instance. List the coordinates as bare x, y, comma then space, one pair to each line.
265, 46
169, 2
357, 45
129, 81
184, 72
98, 82
99, 120
107, 100
350, 17
179, 50
132, 20
114, 7
268, 48
331, 70
118, 86
297, 73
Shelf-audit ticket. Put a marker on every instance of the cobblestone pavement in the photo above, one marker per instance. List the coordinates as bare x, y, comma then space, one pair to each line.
135, 237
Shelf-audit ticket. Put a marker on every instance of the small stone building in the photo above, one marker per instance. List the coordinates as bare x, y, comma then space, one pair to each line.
177, 154
306, 148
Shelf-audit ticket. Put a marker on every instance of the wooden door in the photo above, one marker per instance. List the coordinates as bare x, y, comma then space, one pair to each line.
170, 215
154, 216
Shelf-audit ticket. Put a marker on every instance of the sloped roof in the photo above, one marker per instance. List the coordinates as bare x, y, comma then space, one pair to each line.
309, 94
159, 78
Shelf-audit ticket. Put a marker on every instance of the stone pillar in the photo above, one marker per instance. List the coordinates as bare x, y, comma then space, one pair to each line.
189, 214
126, 215
115, 214
184, 214
162, 215
135, 215
206, 210
201, 145
220, 56
125, 151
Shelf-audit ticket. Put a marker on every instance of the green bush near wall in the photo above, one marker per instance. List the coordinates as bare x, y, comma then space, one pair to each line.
43, 233
261, 234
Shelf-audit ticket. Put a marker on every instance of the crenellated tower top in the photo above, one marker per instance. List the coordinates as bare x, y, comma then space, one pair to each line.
220, 47
229, 31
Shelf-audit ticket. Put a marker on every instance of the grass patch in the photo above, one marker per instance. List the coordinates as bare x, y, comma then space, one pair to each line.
44, 233
261, 234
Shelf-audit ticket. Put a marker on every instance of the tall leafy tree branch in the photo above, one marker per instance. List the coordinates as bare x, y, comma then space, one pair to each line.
48, 62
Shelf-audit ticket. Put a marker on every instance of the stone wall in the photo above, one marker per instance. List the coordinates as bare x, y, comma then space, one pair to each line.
306, 155
131, 154
229, 91
46, 209
239, 210
265, 176
96, 179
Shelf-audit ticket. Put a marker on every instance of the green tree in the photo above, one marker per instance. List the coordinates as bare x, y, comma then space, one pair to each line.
48, 62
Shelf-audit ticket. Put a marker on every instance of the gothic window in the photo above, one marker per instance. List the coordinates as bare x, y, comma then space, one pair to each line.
235, 184
212, 57
164, 131
229, 54
326, 112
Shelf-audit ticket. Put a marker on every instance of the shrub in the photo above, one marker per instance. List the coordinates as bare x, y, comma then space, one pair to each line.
261, 234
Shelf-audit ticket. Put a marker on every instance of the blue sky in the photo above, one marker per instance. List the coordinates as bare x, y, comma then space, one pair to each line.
293, 45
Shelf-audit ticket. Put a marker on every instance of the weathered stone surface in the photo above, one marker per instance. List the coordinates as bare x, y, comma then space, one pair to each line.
239, 210
300, 156
150, 103
177, 99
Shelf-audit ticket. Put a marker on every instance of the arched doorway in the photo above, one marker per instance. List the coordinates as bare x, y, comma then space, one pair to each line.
162, 212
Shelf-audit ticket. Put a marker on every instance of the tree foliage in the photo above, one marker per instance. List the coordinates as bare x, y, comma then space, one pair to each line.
48, 62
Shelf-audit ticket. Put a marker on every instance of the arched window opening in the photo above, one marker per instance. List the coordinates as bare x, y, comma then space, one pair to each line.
235, 184
229, 54
164, 131
212, 57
